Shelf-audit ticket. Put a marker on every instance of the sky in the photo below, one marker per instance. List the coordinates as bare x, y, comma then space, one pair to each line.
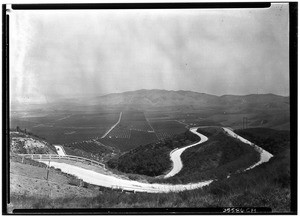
63, 54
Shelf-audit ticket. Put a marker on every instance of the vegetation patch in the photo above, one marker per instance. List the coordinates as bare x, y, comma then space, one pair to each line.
273, 141
88, 149
166, 129
24, 142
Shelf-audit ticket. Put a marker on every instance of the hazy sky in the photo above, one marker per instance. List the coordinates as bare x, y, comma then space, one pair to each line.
69, 53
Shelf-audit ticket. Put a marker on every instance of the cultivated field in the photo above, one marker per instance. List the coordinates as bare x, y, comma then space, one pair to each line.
90, 149
266, 117
135, 120
166, 129
66, 128
133, 130
137, 138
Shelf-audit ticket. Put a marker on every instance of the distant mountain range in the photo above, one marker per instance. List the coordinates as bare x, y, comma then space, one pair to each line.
149, 99
164, 98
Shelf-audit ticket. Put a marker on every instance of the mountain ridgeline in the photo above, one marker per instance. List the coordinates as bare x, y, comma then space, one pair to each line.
162, 98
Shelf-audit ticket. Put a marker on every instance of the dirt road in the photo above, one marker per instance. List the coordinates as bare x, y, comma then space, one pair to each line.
113, 126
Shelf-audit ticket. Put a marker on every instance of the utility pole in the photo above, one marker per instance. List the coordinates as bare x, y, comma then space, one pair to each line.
245, 122
48, 168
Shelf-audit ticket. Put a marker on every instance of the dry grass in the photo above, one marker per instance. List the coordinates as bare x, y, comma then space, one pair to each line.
30, 180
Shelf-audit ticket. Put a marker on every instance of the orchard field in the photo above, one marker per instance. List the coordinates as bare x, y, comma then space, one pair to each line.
66, 128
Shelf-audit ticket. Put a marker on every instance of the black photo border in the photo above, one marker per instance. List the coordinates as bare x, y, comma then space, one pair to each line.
293, 62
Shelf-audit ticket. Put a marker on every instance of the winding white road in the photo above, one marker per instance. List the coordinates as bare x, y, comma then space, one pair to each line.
125, 184
176, 153
264, 155
113, 126
111, 181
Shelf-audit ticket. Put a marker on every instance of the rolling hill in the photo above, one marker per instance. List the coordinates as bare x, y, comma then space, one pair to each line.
162, 98
155, 98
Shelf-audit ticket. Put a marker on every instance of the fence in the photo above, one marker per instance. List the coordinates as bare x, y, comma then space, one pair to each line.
65, 157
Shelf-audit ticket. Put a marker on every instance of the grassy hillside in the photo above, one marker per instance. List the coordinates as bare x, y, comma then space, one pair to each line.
274, 141
28, 179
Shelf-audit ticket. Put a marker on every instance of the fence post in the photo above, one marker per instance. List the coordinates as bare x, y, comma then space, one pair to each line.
48, 167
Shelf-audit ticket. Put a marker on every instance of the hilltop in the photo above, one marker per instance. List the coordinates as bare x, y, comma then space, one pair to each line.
156, 98
164, 98
23, 143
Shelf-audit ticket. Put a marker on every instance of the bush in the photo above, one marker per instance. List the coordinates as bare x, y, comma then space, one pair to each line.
74, 182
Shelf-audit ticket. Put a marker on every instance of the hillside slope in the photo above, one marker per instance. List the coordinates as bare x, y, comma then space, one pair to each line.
23, 143
30, 183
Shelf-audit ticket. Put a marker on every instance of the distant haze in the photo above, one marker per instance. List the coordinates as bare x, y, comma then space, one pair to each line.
62, 54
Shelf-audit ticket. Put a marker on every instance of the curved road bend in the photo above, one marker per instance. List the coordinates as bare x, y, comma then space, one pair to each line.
119, 183
264, 155
176, 153
112, 126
